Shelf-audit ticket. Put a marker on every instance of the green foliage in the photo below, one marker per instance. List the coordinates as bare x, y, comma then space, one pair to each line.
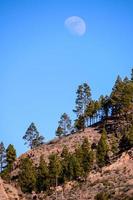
59, 131
105, 105
126, 141
83, 98
54, 169
77, 164
90, 110
65, 155
87, 156
74, 167
32, 137
71, 166
27, 176
5, 174
42, 176
80, 123
102, 149
64, 125
121, 96
102, 196
114, 144
10, 154
10, 157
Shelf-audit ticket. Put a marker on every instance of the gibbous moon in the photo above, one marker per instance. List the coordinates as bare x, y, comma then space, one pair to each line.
75, 25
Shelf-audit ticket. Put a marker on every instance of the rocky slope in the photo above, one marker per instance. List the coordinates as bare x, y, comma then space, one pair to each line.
8, 192
115, 179
56, 145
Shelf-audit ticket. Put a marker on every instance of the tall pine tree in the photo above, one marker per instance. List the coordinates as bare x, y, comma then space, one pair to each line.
87, 157
27, 176
82, 100
102, 149
54, 169
10, 155
32, 137
42, 175
64, 125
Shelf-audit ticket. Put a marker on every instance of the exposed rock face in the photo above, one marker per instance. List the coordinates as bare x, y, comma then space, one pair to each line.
8, 192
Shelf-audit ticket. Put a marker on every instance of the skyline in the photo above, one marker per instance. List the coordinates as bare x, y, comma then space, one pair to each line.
42, 64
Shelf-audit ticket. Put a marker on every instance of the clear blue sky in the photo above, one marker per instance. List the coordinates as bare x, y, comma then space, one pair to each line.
41, 63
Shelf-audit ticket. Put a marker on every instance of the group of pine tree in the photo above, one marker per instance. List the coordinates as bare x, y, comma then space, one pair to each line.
118, 107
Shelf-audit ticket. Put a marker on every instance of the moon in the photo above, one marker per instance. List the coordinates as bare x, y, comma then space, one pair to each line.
75, 25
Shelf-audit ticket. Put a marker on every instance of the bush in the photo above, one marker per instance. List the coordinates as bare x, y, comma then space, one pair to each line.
102, 196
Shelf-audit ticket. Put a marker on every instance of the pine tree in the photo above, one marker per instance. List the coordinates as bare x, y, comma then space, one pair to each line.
75, 169
80, 123
89, 112
2, 156
54, 169
10, 156
83, 98
59, 132
126, 80
114, 144
65, 155
116, 96
126, 141
79, 154
96, 109
27, 176
105, 103
121, 98
87, 156
32, 137
127, 98
64, 125
102, 149
42, 176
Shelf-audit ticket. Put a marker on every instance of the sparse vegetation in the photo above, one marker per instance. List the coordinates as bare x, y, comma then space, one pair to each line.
111, 115
102, 196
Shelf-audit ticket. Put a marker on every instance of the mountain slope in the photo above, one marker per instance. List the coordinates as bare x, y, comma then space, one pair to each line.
56, 145
115, 179
8, 192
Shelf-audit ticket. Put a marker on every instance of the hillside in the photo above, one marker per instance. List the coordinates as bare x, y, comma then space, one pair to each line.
56, 145
115, 179
8, 192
